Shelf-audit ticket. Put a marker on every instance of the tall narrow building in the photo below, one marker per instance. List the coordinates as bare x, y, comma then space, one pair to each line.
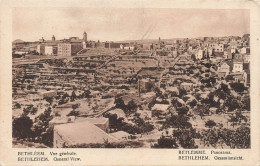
53, 38
85, 37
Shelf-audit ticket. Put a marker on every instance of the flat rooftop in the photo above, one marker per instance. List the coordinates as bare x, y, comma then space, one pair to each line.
82, 133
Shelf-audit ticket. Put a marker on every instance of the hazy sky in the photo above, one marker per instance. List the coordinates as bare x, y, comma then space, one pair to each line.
114, 24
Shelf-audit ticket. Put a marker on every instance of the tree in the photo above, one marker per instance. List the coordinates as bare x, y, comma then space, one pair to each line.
210, 123
208, 65
185, 138
223, 92
73, 113
246, 102
34, 110
193, 57
232, 103
152, 103
182, 92
229, 78
239, 138
242, 137
49, 99
233, 120
237, 117
27, 110
75, 106
22, 127
42, 131
210, 137
158, 92
47, 137
176, 103
193, 103
202, 109
65, 95
119, 102
131, 106
238, 87
17, 105
224, 87
73, 96
166, 142
182, 110
144, 127
180, 121
64, 99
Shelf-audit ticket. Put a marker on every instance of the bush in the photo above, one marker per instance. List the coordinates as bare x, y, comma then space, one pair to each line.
176, 103
238, 87
210, 123
246, 102
22, 127
42, 132
193, 103
49, 100
73, 113
165, 142
229, 78
119, 102
239, 138
47, 137
182, 110
232, 103
143, 127
182, 92
17, 105
177, 122
186, 138
34, 110
27, 110
106, 144
131, 107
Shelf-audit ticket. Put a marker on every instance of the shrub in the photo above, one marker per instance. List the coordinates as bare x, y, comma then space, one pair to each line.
42, 131
186, 138
210, 123
22, 127
177, 122
238, 87
73, 113
165, 142
106, 144
17, 105
193, 103
239, 138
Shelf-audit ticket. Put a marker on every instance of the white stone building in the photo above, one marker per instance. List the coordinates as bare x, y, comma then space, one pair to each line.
64, 49
49, 50
199, 54
237, 67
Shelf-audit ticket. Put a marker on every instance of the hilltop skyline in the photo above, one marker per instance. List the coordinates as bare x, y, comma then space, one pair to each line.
121, 24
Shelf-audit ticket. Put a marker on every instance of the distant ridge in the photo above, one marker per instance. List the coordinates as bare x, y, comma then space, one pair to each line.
171, 39
18, 41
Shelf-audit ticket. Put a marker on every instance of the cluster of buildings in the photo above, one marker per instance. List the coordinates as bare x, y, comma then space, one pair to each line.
64, 47
132, 70
231, 55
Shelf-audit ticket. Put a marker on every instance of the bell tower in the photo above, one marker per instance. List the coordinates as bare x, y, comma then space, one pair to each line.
53, 38
85, 37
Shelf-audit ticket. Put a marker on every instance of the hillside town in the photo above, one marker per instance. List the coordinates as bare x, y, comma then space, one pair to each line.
163, 93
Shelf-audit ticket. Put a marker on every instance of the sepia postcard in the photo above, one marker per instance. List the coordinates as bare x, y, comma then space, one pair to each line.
129, 82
